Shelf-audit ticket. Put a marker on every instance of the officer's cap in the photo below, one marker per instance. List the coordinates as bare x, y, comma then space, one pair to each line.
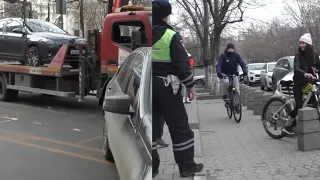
160, 9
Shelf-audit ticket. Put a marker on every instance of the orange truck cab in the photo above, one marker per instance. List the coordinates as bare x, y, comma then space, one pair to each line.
123, 31
125, 28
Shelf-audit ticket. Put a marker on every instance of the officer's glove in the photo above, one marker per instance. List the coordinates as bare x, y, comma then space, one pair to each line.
237, 74
220, 76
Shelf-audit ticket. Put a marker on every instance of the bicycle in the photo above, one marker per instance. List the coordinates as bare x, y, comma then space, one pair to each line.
312, 89
233, 103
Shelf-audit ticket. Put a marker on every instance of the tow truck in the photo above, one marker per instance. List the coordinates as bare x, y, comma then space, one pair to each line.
126, 27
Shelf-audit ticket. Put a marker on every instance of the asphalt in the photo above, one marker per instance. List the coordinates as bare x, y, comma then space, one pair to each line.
43, 137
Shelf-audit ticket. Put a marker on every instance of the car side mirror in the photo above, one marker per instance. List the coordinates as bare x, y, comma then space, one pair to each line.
135, 40
19, 31
119, 104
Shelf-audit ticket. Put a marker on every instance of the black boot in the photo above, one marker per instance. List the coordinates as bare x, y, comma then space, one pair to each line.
154, 173
190, 170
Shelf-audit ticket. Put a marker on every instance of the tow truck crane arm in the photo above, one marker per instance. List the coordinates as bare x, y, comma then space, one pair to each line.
114, 4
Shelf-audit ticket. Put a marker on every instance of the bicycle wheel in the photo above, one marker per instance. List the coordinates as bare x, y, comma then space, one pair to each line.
237, 106
229, 107
276, 120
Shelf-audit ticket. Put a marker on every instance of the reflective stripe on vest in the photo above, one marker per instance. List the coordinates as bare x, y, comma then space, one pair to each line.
161, 49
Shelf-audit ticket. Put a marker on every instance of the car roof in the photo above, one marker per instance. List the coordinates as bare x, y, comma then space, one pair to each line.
287, 57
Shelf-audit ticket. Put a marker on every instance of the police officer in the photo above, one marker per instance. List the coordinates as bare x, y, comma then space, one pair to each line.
170, 66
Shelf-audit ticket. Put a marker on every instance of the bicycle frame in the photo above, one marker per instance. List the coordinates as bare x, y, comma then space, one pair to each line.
289, 99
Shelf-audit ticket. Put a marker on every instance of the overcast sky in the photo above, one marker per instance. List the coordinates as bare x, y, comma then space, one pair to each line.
273, 8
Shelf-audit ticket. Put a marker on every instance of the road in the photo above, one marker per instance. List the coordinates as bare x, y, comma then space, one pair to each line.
244, 151
52, 138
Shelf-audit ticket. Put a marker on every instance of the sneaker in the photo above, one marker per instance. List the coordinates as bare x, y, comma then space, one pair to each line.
287, 129
161, 143
191, 170
188, 100
155, 173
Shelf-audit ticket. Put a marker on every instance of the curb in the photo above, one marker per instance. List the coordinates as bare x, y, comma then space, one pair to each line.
199, 158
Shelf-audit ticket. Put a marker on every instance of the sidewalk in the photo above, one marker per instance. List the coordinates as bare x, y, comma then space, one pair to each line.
168, 168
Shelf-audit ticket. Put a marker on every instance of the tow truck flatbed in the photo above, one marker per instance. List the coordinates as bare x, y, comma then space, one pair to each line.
56, 79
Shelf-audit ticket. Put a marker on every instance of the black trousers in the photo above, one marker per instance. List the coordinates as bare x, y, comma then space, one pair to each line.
172, 109
158, 123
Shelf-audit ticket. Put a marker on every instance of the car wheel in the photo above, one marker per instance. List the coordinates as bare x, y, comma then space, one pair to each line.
199, 82
106, 149
34, 57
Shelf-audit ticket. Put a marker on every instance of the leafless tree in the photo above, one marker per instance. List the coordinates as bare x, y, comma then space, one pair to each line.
208, 18
268, 42
305, 15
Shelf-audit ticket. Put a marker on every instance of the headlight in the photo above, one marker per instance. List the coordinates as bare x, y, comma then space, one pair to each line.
80, 41
48, 41
251, 72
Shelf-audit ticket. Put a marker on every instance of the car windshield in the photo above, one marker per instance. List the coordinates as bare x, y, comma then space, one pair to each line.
255, 66
270, 67
291, 60
36, 25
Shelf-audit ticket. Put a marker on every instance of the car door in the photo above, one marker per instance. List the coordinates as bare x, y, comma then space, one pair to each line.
2, 42
139, 157
119, 126
15, 42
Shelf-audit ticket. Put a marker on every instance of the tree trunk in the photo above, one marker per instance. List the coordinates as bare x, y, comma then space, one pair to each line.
214, 82
205, 43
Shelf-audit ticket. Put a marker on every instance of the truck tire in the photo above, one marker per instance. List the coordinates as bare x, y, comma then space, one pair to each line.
7, 94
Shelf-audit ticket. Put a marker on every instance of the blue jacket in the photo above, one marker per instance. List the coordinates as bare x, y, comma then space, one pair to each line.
228, 64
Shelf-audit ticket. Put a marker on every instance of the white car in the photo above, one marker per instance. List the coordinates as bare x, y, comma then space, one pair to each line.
127, 130
253, 76
266, 76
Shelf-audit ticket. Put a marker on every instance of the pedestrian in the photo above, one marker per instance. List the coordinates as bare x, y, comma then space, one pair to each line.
228, 65
304, 61
170, 68
184, 89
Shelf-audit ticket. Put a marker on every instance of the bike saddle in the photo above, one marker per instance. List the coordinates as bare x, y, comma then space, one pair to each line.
286, 83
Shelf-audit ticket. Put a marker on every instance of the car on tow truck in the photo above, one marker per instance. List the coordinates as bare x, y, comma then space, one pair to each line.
44, 40
127, 129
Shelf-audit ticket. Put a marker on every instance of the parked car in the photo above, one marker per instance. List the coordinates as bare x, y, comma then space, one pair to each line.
283, 67
44, 40
284, 90
253, 76
200, 80
127, 106
240, 74
266, 76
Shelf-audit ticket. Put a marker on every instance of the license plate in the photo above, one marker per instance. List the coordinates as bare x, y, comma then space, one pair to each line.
76, 52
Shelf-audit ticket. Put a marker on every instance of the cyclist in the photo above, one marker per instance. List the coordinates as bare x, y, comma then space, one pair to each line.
305, 60
228, 65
